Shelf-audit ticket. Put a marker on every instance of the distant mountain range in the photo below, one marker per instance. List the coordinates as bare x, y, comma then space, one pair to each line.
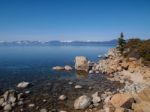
57, 43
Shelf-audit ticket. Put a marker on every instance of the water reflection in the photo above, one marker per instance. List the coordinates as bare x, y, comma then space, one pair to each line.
81, 74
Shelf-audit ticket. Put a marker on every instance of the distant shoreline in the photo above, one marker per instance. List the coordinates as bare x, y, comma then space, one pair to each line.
58, 43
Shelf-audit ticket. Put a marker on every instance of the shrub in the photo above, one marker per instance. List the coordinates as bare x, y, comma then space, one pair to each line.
144, 50
139, 49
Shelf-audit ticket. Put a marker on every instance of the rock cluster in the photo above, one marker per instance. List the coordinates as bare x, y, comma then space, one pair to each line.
115, 62
9, 99
135, 76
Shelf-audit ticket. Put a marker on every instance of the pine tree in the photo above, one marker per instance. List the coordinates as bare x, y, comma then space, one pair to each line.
121, 42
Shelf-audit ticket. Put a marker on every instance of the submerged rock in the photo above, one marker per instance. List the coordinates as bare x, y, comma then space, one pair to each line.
82, 102
23, 85
81, 63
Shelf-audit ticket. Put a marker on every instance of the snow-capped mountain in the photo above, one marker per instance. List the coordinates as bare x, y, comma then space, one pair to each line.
56, 42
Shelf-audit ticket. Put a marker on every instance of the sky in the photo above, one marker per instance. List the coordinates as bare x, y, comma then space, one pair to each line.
46, 20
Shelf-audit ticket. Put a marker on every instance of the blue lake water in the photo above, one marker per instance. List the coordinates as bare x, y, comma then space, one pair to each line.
34, 63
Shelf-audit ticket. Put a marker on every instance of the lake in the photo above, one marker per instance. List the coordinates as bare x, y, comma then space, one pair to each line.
33, 64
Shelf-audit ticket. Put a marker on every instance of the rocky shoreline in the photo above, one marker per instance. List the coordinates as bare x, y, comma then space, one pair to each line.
114, 84
133, 74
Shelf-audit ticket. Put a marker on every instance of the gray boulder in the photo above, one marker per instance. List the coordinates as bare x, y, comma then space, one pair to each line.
82, 102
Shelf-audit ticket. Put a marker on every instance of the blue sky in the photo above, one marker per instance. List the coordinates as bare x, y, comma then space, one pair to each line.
73, 19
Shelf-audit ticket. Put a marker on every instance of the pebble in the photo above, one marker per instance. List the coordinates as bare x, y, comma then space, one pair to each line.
43, 110
78, 87
62, 97
70, 83
44, 100
53, 110
97, 72
31, 105
62, 111
90, 88
27, 92
91, 71
21, 110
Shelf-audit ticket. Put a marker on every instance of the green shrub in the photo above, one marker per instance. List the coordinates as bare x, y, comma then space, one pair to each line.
133, 43
144, 50
139, 49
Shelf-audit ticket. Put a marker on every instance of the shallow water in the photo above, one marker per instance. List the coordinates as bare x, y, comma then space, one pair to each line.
51, 90
34, 63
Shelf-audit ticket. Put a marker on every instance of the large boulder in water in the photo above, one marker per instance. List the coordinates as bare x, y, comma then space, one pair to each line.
81, 63
82, 102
